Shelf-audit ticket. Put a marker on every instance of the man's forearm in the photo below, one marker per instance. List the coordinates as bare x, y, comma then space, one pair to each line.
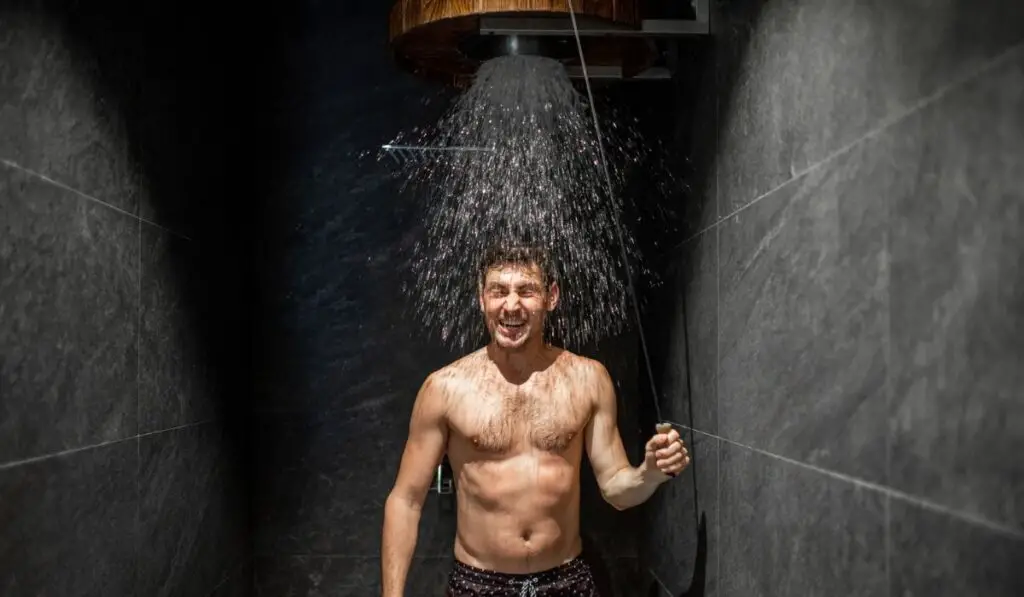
401, 526
632, 486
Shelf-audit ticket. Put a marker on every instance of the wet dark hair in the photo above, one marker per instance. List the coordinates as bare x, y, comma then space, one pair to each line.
523, 255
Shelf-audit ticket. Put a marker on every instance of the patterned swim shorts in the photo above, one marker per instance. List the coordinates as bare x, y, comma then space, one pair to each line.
572, 579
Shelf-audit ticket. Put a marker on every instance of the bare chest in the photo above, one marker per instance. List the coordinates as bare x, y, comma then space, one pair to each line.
503, 421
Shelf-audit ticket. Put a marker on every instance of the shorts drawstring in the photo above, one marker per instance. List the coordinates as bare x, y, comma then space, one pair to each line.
529, 588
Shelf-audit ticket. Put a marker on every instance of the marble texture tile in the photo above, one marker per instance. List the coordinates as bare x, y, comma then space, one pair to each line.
695, 335
65, 96
192, 520
344, 576
802, 79
696, 115
321, 482
788, 530
671, 341
316, 576
69, 302
937, 555
67, 526
340, 318
235, 586
804, 317
682, 524
328, 325
653, 586
623, 577
662, 320
238, 583
194, 121
175, 370
957, 323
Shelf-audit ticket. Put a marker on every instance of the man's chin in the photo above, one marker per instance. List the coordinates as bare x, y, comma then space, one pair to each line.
510, 342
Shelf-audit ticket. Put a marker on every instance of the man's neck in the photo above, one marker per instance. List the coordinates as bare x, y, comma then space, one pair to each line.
520, 364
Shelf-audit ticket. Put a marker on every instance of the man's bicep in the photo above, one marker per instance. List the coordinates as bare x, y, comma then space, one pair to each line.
425, 446
603, 441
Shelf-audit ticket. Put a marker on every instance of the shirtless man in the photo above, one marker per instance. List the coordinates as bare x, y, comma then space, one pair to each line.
514, 418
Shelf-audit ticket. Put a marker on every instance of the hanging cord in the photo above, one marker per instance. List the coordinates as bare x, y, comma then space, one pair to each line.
629, 278
617, 218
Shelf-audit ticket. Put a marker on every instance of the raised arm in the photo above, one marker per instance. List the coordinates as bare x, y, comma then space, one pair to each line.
424, 449
622, 485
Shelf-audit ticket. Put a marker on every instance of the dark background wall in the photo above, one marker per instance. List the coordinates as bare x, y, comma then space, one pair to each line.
342, 358
123, 335
845, 324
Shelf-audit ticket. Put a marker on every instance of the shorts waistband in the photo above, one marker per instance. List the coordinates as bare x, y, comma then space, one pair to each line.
569, 570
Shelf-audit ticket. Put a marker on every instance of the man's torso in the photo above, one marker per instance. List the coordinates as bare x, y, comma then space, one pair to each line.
515, 449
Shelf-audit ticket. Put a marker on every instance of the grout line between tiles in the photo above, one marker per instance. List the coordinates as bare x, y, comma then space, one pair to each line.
887, 389
658, 580
58, 184
239, 567
178, 427
969, 517
14, 165
884, 124
718, 398
34, 459
138, 407
887, 509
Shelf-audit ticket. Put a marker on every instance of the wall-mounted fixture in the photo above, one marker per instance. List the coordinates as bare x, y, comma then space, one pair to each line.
443, 482
447, 40
405, 155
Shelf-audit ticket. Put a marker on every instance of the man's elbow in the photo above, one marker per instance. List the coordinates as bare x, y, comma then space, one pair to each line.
406, 497
617, 503
615, 489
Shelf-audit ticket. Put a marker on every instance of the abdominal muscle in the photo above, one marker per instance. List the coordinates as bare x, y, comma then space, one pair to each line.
518, 515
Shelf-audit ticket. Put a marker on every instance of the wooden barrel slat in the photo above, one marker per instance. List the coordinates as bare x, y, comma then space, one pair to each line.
425, 34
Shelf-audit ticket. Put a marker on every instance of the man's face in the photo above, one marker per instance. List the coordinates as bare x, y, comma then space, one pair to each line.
514, 302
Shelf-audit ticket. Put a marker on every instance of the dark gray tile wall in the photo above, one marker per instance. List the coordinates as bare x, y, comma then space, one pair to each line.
121, 462
857, 303
70, 325
340, 361
53, 119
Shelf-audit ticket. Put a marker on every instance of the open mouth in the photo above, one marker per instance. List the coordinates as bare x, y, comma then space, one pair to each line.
512, 324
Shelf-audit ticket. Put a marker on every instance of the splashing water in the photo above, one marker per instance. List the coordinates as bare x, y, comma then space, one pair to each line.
538, 181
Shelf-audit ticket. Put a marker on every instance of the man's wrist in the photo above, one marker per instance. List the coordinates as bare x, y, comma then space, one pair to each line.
651, 475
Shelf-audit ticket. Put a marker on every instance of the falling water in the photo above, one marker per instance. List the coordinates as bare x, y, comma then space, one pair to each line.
522, 166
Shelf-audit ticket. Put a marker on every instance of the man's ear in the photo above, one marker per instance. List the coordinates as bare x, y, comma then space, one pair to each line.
553, 294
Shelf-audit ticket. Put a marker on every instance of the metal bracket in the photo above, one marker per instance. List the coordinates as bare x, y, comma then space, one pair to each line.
649, 28
441, 485
406, 154
615, 72
703, 10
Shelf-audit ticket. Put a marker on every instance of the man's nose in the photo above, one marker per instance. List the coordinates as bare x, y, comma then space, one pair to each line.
511, 301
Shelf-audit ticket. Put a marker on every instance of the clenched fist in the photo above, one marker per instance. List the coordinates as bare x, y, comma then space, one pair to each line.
666, 452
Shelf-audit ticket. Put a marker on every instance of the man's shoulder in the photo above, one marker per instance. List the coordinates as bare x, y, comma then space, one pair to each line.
457, 371
582, 364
